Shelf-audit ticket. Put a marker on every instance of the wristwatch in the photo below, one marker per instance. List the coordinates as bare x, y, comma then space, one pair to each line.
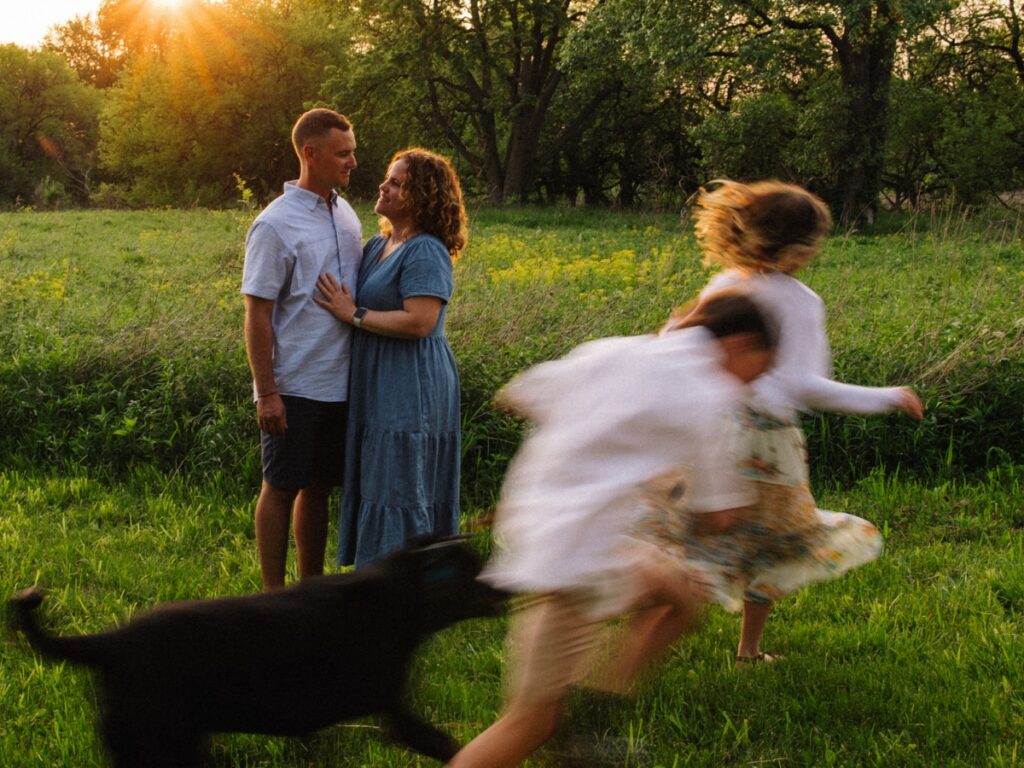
357, 318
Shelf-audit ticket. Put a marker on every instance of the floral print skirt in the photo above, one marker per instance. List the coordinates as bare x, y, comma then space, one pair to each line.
780, 544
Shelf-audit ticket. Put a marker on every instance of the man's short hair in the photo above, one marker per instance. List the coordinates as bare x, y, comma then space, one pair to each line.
316, 124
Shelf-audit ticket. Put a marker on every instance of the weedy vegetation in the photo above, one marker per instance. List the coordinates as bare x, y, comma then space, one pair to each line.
129, 466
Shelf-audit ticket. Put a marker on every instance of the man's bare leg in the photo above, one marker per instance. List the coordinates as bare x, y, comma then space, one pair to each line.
310, 524
273, 514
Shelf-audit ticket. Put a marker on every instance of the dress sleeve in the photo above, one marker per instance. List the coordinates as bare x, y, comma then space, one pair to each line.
532, 393
427, 270
268, 265
539, 391
818, 393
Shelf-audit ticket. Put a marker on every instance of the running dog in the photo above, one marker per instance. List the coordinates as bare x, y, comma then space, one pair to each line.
289, 662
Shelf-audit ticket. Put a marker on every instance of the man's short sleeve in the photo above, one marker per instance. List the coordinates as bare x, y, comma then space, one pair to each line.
427, 270
268, 265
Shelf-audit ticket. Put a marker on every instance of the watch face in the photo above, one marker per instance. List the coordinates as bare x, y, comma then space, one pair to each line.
360, 312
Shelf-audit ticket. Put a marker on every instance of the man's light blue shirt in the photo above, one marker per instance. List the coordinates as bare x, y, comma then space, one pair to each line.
295, 239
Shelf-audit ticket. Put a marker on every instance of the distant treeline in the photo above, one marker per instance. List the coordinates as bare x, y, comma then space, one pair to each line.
625, 102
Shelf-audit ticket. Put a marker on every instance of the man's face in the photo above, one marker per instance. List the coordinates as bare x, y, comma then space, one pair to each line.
332, 160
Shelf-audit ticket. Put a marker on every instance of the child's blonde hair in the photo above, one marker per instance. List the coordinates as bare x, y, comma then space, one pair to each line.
763, 226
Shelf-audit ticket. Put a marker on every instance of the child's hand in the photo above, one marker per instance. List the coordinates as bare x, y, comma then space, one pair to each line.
910, 403
503, 401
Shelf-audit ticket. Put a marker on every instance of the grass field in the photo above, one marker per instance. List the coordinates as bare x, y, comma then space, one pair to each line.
128, 470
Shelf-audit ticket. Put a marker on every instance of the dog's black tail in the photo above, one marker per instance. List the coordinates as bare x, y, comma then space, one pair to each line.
79, 649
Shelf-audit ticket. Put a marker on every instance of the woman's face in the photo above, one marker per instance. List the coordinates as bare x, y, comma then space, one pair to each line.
392, 202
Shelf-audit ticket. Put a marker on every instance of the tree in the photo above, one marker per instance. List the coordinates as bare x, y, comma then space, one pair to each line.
189, 114
958, 127
617, 133
49, 126
729, 50
986, 36
863, 35
485, 71
704, 90
82, 45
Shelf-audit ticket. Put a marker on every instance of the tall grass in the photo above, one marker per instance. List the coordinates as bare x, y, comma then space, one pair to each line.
933, 304
120, 333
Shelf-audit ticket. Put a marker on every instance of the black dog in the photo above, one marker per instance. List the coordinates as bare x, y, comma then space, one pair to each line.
288, 662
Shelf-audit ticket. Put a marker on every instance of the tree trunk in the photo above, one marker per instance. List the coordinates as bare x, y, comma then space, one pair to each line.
865, 68
522, 154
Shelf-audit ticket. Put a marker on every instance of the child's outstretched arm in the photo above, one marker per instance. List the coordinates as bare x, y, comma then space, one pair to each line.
539, 391
819, 393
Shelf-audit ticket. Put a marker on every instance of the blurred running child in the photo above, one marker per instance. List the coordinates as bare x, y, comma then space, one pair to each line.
608, 417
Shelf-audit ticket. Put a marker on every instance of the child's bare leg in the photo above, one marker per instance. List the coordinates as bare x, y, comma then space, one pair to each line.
549, 644
520, 730
677, 608
755, 616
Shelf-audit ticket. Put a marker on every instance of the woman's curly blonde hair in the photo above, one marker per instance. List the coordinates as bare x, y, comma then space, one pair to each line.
432, 188
763, 226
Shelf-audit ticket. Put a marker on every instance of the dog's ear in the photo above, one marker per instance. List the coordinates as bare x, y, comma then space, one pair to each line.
447, 572
424, 540
447, 559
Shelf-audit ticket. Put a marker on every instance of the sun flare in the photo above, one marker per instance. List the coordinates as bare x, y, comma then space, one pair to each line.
168, 5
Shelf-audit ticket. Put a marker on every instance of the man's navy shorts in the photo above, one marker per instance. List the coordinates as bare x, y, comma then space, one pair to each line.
312, 449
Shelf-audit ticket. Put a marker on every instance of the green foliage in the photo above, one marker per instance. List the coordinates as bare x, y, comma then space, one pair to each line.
186, 117
619, 102
477, 80
619, 133
957, 127
979, 147
116, 353
48, 131
750, 140
81, 43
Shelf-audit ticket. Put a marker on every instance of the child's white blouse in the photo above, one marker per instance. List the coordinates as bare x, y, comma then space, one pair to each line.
800, 379
610, 416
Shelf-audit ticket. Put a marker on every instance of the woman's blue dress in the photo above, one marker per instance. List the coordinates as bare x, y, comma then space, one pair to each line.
402, 450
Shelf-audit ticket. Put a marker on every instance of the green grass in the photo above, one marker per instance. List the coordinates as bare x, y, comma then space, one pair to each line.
129, 466
914, 660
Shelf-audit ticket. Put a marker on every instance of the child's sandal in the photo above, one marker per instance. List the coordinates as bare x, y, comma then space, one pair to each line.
761, 658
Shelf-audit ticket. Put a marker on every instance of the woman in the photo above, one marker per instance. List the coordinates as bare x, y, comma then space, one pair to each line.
403, 442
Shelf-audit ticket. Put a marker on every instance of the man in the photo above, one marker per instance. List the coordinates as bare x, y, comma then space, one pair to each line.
298, 353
